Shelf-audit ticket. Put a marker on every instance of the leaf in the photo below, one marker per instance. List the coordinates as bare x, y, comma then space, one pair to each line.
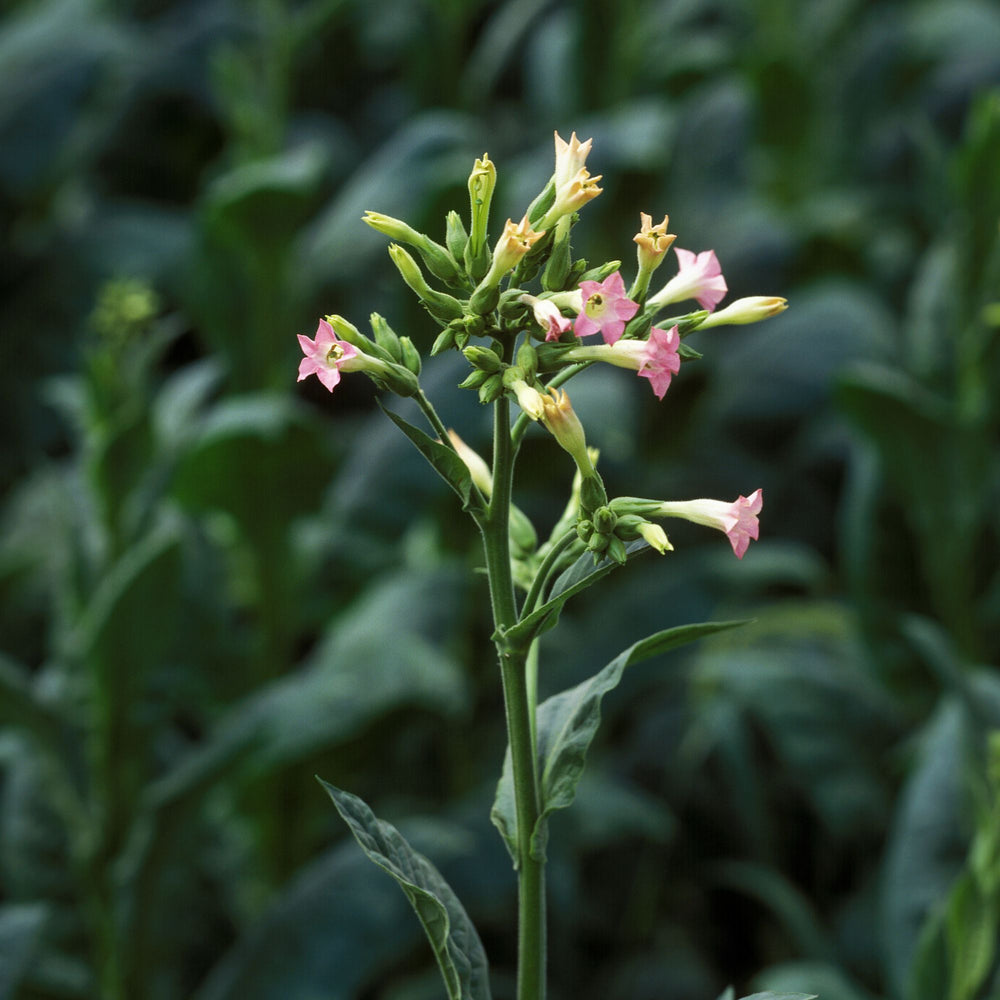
570, 582
566, 725
926, 846
456, 945
971, 928
21, 928
780, 996
444, 460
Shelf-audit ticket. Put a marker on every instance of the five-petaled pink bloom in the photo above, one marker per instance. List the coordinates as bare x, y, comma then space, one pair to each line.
656, 359
325, 356
737, 519
699, 277
605, 308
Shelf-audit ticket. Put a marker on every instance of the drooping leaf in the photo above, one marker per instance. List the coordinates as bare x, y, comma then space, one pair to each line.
566, 726
445, 461
452, 936
971, 934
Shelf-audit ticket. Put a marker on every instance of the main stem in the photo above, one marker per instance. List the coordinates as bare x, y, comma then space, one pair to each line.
531, 871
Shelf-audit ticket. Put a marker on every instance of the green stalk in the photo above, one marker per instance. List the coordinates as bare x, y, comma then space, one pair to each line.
513, 670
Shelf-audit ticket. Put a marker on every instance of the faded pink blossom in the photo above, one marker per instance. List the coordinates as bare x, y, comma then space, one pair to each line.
656, 359
699, 277
548, 316
737, 519
606, 308
325, 356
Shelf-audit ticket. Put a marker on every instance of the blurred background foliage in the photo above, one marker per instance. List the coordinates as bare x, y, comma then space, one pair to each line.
215, 583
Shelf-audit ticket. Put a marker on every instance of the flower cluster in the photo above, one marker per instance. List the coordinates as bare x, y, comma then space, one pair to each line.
533, 308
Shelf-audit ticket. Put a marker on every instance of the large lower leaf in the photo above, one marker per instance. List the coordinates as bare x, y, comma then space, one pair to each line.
456, 945
566, 725
20, 930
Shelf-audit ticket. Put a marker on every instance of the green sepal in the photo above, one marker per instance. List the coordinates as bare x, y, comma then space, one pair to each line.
410, 355
566, 725
452, 936
688, 353
445, 461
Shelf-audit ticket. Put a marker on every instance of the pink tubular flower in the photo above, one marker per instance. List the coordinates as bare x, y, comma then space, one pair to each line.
325, 356
606, 308
656, 359
700, 277
737, 519
548, 316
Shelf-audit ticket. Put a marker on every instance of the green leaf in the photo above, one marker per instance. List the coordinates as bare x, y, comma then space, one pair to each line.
971, 927
566, 725
21, 928
927, 846
570, 582
780, 996
456, 945
444, 460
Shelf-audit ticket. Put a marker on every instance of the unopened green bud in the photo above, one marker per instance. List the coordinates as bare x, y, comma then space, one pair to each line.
477, 264
592, 493
455, 235
484, 299
445, 340
490, 389
410, 355
346, 330
385, 337
527, 359
605, 520
556, 271
584, 529
510, 306
598, 542
512, 374
441, 306
483, 358
474, 379
616, 550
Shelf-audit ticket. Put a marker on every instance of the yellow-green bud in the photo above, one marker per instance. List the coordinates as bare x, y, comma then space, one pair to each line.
483, 358
410, 355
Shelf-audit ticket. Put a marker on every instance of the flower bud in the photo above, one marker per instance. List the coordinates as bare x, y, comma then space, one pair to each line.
441, 306
410, 356
529, 399
592, 493
482, 181
445, 340
616, 550
605, 520
748, 310
456, 237
655, 537
474, 379
556, 272
385, 337
490, 390
483, 358
527, 358
475, 463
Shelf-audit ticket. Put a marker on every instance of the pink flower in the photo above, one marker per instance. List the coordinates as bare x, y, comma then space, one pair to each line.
548, 316
700, 277
325, 356
606, 308
656, 359
737, 519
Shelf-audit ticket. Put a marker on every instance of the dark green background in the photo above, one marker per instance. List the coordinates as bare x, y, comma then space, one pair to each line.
215, 582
